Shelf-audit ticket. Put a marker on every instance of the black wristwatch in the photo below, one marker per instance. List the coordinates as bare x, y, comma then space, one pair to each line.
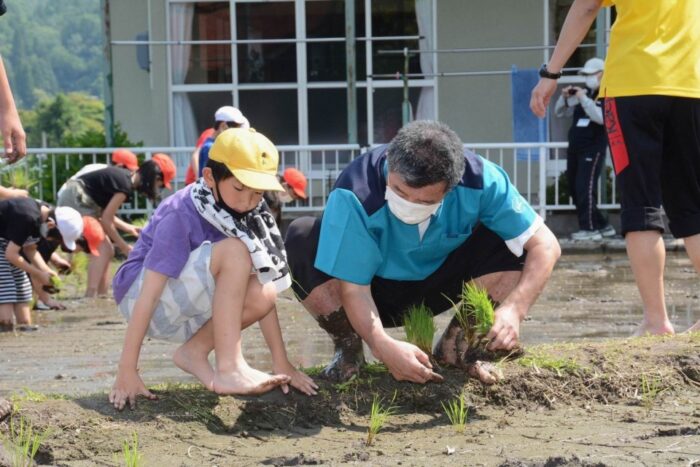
545, 73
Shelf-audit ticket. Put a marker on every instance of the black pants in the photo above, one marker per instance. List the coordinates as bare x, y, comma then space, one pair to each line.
655, 144
482, 253
583, 171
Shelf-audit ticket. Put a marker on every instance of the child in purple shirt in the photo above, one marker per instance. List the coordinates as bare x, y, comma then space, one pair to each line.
213, 232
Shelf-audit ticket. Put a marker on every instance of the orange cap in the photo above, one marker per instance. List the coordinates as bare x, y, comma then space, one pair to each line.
203, 137
295, 179
126, 158
93, 233
167, 167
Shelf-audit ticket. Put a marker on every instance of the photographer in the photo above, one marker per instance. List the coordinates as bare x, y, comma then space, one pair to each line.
586, 154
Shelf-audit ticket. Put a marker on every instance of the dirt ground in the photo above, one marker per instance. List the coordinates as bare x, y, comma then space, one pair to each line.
602, 400
634, 402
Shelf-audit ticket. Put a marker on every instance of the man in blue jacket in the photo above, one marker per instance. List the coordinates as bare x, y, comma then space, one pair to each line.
409, 223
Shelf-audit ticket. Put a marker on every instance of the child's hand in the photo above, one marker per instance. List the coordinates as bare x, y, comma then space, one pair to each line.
128, 387
300, 380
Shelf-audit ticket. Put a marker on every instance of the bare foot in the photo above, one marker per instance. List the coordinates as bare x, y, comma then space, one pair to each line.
654, 329
485, 372
195, 364
246, 381
695, 327
5, 408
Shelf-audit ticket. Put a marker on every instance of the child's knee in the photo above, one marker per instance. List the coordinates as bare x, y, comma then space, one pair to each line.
230, 253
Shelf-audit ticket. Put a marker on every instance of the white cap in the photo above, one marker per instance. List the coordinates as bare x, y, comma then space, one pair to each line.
592, 66
229, 113
70, 224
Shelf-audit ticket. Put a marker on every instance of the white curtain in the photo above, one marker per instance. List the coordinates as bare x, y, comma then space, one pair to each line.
185, 126
424, 17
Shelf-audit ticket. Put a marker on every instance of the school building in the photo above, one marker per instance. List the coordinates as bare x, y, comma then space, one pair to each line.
284, 63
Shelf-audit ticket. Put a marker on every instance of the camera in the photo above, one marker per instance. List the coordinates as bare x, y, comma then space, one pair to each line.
572, 91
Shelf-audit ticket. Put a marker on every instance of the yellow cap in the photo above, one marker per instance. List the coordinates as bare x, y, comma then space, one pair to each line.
250, 156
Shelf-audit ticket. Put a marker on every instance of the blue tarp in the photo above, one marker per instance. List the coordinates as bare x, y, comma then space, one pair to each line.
527, 128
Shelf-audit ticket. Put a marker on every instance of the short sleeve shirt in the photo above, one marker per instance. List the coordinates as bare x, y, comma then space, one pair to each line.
20, 220
360, 238
174, 231
654, 49
103, 184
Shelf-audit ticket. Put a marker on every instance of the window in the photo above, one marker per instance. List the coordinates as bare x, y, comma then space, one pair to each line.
283, 63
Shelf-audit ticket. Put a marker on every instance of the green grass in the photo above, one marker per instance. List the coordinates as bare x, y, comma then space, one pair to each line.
378, 417
25, 442
651, 387
375, 368
457, 412
477, 312
130, 451
420, 327
548, 362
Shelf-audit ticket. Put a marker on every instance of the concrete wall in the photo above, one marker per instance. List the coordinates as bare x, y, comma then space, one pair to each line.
141, 107
479, 107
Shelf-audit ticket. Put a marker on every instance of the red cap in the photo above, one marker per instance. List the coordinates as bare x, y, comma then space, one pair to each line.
126, 158
167, 167
93, 233
296, 180
203, 137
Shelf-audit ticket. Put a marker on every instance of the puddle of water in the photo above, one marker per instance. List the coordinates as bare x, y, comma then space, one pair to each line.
589, 297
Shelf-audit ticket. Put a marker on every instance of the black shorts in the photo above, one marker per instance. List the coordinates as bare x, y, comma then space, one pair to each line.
655, 146
484, 252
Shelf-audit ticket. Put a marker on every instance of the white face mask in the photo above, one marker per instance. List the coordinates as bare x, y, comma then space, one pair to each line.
285, 197
406, 211
592, 82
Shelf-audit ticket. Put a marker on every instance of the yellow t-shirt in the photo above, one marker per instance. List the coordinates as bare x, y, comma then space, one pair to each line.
654, 49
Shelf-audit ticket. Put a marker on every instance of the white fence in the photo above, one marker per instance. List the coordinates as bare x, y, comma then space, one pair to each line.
534, 168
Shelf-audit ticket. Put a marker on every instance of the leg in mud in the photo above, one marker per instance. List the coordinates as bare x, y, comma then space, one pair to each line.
324, 305
7, 317
5, 408
452, 348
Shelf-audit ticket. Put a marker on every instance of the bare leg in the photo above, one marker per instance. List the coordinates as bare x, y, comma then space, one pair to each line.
6, 317
98, 269
193, 356
324, 305
231, 266
647, 257
23, 314
692, 246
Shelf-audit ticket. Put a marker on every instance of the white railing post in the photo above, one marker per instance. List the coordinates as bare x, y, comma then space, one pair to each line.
543, 183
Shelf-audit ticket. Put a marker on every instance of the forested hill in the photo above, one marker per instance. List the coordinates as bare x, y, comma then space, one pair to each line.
52, 46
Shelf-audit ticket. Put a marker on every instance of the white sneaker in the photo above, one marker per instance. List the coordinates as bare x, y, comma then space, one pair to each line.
608, 232
586, 235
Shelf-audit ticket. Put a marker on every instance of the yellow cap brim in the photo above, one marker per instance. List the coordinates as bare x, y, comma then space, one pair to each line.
258, 181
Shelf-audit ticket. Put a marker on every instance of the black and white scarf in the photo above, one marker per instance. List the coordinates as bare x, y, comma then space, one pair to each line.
257, 230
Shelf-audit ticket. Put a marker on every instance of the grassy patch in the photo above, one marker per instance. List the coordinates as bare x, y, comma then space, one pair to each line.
540, 360
378, 416
420, 327
375, 368
313, 371
651, 387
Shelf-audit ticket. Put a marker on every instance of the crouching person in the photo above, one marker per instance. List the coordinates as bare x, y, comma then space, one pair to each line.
209, 264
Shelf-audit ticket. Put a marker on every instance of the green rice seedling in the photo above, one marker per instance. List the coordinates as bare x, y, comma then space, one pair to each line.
375, 368
477, 312
140, 222
80, 262
378, 417
25, 442
130, 451
420, 327
19, 178
652, 387
457, 412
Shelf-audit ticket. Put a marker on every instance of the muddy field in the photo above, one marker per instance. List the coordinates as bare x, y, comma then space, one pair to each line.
582, 395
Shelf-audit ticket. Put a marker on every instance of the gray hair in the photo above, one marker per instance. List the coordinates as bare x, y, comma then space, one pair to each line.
427, 152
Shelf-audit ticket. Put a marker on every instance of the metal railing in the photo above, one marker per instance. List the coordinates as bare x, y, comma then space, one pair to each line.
535, 169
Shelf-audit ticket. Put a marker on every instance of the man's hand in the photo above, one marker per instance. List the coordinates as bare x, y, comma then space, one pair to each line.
128, 387
406, 362
541, 94
505, 331
13, 136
